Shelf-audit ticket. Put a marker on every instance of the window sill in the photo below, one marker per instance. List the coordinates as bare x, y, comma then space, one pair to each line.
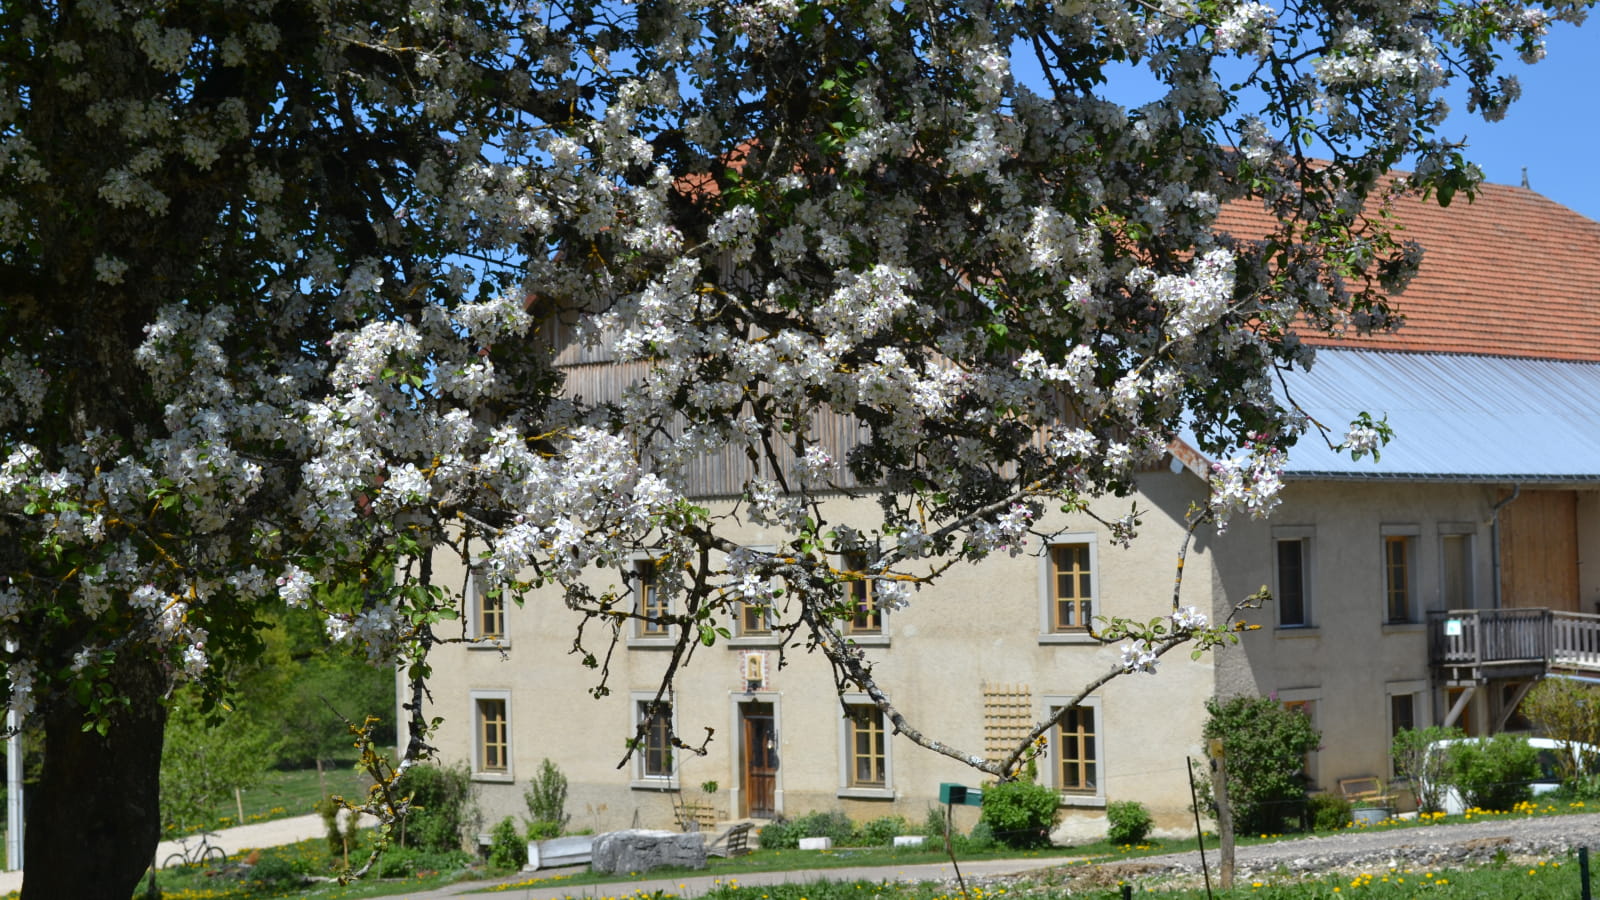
651, 643
1068, 637
866, 793
1083, 800
1297, 631
490, 644
494, 777
868, 640
654, 784
755, 640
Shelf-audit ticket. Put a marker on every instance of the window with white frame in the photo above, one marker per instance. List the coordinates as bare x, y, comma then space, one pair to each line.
1076, 751
488, 609
1291, 567
649, 602
1400, 574
865, 766
492, 735
655, 762
1068, 588
866, 616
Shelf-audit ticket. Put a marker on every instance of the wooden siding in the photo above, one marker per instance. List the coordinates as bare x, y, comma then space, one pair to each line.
1539, 551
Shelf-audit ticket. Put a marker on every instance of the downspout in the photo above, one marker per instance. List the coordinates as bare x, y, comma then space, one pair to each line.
1494, 540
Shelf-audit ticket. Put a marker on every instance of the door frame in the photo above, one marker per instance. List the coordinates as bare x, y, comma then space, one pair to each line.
738, 802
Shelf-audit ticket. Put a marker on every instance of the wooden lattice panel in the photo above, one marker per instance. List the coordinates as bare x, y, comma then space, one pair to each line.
1007, 718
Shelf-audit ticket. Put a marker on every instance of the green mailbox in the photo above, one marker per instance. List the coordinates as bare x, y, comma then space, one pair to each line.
951, 793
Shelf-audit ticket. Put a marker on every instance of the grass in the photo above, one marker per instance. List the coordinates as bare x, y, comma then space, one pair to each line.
274, 873
283, 794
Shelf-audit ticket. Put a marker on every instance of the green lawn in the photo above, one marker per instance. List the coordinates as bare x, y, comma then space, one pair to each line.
281, 794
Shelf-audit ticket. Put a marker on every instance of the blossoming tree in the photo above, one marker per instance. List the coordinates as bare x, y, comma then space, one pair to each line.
283, 280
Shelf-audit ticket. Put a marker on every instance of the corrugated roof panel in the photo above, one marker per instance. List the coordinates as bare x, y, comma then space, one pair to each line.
1481, 417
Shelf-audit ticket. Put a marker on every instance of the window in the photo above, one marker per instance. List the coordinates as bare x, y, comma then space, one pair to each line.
489, 609
869, 757
652, 605
1455, 576
1398, 575
755, 619
1293, 572
1074, 759
654, 756
1406, 709
1077, 754
867, 617
866, 767
493, 752
1073, 589
1402, 713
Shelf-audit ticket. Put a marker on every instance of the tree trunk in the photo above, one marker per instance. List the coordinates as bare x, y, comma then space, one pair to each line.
95, 815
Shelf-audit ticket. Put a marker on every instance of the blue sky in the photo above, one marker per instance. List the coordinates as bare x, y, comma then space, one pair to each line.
1554, 130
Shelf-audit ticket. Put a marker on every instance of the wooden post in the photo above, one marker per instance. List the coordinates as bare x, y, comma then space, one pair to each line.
1219, 783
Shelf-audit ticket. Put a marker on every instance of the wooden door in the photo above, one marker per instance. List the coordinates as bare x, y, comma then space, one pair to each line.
1539, 551
760, 760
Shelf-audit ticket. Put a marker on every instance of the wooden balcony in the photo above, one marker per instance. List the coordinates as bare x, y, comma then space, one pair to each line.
1471, 646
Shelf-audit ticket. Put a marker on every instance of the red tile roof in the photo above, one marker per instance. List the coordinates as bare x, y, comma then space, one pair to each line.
1512, 273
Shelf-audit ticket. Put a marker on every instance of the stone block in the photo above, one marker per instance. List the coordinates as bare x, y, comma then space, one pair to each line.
909, 840
641, 850
817, 843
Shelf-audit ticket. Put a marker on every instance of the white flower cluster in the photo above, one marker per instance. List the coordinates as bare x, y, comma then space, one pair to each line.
1139, 656
1248, 483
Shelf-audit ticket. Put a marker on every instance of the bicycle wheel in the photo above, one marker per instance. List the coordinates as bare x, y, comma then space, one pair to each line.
176, 859
213, 855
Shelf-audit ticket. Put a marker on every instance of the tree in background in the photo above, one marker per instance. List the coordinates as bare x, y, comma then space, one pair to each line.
1264, 749
1568, 711
203, 763
283, 283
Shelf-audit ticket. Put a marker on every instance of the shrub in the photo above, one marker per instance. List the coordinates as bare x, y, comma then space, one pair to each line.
1429, 773
507, 847
1020, 813
441, 806
880, 831
834, 824
933, 824
546, 797
1266, 744
779, 834
273, 871
1129, 822
981, 839
1494, 774
1328, 812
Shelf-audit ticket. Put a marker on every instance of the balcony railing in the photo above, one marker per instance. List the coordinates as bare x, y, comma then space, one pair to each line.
1479, 638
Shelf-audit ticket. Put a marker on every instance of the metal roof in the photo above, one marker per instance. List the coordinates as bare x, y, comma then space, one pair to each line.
1455, 417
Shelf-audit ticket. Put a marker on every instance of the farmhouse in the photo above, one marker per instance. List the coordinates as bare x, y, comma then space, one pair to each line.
1432, 584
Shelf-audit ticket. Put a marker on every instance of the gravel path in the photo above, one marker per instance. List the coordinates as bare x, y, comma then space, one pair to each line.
1421, 847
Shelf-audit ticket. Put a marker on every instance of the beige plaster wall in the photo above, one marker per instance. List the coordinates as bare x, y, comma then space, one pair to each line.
1349, 661
981, 623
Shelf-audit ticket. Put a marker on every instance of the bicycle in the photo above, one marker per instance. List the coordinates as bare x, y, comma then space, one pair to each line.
202, 853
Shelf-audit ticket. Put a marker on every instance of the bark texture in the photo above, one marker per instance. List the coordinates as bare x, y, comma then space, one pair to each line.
110, 784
